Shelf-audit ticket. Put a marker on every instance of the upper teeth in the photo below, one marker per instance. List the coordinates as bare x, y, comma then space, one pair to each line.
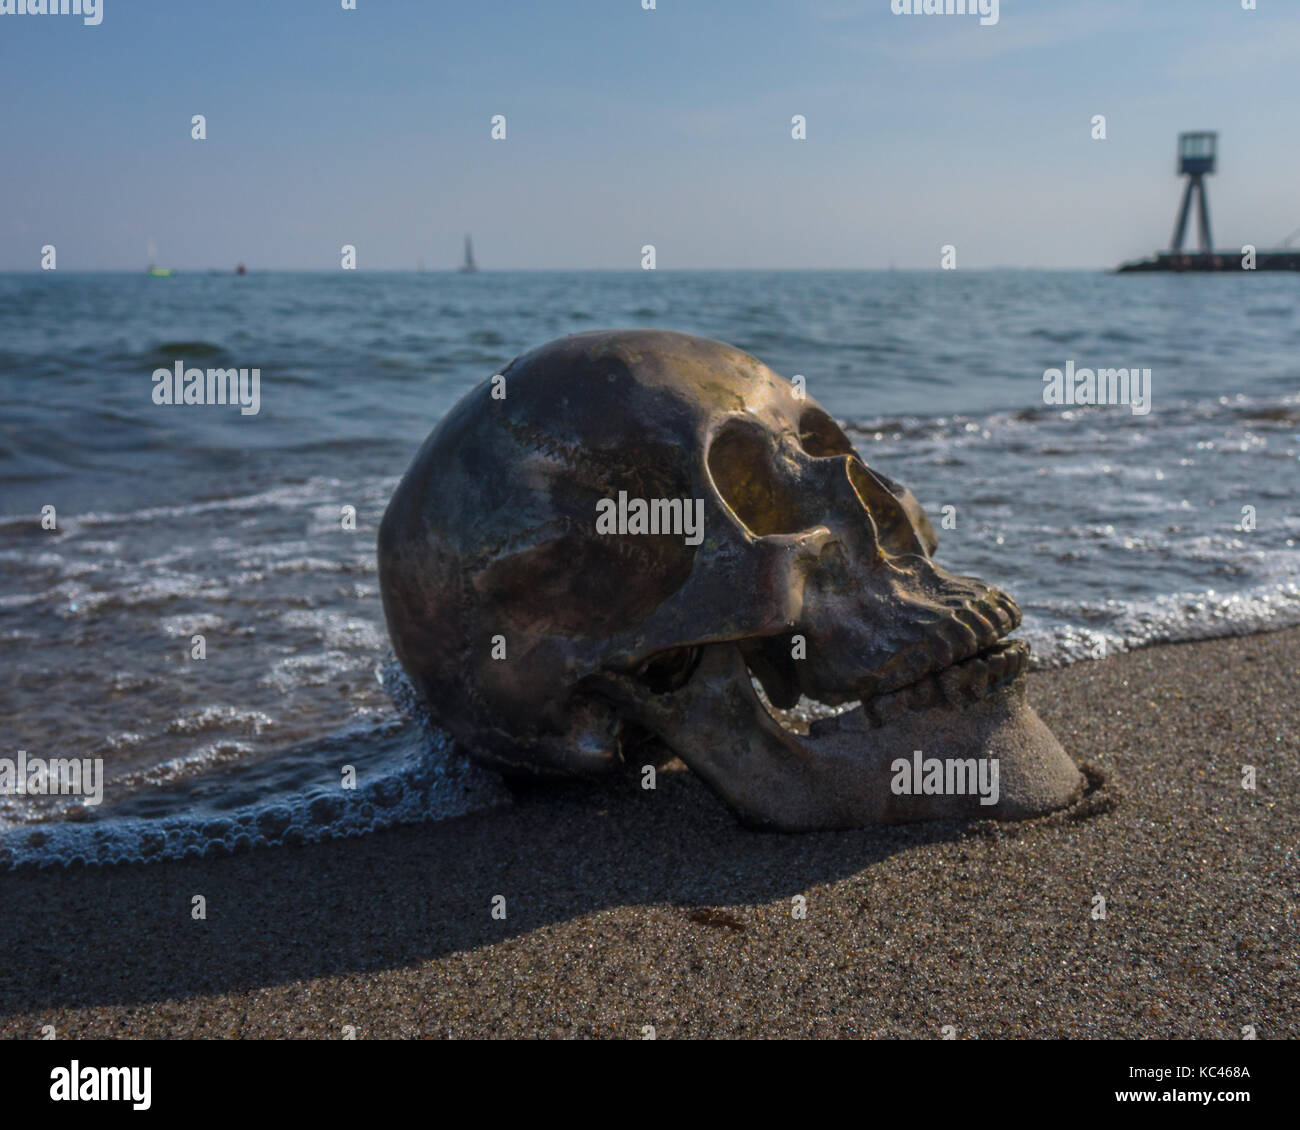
956, 685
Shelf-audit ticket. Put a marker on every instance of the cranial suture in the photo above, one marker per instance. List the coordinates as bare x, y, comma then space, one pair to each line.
813, 577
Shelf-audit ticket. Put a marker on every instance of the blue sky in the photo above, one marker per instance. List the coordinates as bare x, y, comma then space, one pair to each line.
626, 127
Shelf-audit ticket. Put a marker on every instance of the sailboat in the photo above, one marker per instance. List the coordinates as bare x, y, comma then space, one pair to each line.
155, 270
469, 266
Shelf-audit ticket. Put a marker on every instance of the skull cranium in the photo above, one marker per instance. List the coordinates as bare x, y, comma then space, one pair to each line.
545, 646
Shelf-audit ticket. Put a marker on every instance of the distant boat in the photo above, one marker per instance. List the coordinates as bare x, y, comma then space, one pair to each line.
155, 270
469, 266
241, 269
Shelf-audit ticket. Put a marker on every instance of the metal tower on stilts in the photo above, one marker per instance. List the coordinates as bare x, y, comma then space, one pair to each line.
1195, 159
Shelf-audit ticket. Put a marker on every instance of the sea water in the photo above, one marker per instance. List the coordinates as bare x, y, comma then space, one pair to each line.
1112, 528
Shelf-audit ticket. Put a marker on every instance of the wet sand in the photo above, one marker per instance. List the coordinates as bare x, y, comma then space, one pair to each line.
627, 908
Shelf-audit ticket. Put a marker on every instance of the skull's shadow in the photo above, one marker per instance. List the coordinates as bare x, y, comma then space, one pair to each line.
124, 935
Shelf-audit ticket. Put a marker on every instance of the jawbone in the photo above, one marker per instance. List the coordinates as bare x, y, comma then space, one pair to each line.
843, 773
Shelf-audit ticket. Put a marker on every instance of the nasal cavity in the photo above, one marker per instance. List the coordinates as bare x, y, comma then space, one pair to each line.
743, 463
894, 529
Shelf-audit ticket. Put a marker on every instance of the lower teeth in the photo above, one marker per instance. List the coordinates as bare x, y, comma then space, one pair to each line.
955, 686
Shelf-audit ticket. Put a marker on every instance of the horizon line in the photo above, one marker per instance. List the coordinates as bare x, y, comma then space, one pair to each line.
144, 271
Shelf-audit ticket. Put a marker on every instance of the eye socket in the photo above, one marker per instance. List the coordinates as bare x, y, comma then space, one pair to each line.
742, 463
821, 436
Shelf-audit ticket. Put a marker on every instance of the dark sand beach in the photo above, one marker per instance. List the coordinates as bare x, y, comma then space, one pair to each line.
629, 908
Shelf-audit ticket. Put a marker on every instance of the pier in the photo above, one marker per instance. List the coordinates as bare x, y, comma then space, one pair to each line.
1197, 158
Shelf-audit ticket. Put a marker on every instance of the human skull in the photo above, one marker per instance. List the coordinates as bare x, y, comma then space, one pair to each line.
547, 643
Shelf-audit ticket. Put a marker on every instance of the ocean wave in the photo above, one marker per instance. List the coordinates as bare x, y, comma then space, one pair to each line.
1172, 618
423, 780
